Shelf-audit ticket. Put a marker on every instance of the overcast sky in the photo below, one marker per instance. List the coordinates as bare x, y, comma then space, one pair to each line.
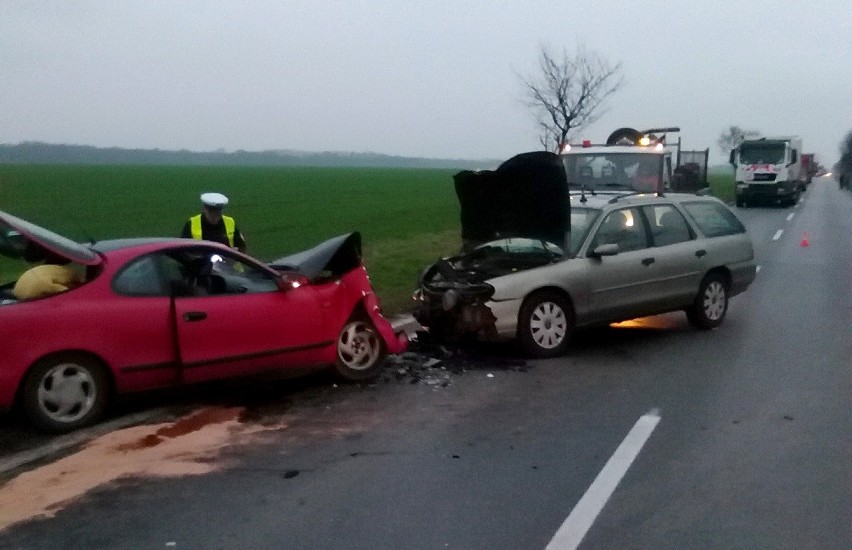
435, 78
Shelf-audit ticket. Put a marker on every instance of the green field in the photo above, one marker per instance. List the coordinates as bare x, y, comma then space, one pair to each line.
722, 186
408, 217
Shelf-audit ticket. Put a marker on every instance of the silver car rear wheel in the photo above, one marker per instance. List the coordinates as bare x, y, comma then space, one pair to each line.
711, 304
546, 323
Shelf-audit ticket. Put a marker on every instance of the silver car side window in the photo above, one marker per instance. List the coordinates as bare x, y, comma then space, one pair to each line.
714, 219
668, 226
623, 227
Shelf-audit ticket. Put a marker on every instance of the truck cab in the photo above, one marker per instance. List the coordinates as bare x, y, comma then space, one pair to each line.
642, 162
618, 167
768, 170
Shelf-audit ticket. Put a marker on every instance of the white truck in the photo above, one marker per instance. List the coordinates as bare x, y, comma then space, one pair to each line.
768, 170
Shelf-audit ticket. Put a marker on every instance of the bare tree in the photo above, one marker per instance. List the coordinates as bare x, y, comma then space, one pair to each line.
845, 161
568, 92
733, 136
844, 165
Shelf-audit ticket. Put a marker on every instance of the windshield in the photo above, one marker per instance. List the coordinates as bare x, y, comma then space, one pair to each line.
581, 220
770, 153
632, 171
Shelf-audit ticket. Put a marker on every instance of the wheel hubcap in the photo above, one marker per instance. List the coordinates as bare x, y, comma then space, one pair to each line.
548, 325
714, 301
358, 346
66, 393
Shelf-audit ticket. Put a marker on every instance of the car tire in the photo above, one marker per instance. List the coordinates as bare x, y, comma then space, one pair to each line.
545, 324
65, 392
360, 351
711, 304
740, 203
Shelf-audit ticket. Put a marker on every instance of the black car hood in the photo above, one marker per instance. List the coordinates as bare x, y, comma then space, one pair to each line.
22, 239
329, 259
527, 196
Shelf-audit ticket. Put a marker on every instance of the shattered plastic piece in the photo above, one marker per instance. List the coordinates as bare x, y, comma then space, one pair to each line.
432, 363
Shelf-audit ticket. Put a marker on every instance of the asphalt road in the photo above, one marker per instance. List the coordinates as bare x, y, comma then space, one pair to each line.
745, 437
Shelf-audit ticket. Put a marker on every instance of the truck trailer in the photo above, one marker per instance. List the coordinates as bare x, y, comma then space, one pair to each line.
809, 166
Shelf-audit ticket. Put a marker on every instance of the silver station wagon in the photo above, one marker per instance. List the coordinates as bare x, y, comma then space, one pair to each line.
542, 256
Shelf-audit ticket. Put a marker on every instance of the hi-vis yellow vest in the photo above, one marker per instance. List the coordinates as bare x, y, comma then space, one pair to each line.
230, 227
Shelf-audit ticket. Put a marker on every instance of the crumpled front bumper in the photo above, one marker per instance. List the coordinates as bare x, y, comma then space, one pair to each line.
395, 336
463, 316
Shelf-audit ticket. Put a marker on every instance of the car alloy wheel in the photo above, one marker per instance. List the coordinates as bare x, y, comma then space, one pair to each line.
546, 324
65, 393
360, 351
711, 304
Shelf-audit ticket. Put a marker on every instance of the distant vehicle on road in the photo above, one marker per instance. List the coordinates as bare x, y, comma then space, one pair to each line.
809, 166
545, 255
152, 313
768, 170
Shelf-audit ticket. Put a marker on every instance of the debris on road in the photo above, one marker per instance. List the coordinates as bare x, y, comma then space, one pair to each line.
434, 364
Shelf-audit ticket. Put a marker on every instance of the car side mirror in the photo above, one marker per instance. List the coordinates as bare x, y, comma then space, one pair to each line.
609, 249
794, 156
288, 280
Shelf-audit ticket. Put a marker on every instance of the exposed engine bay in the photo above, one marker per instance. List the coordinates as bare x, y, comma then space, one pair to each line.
454, 291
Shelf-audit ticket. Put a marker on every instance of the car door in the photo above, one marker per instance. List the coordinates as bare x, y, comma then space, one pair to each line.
231, 317
621, 285
680, 256
139, 337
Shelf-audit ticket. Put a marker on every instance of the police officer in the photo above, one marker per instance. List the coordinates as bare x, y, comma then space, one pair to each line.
211, 225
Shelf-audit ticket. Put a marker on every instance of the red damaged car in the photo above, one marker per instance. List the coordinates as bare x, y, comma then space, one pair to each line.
151, 313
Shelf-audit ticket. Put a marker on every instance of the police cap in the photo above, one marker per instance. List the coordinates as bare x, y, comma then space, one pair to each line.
214, 200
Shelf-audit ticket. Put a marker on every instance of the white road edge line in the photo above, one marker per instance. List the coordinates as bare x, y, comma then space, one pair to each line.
758, 269
580, 520
778, 235
790, 216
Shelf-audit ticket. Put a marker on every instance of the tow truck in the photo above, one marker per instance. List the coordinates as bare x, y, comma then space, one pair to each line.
640, 161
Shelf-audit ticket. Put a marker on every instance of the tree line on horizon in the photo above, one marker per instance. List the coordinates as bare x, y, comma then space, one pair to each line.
50, 153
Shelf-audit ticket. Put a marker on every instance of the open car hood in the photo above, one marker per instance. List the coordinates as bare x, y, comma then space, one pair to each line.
329, 259
527, 196
22, 239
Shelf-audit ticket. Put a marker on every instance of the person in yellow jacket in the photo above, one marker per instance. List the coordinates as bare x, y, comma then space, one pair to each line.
212, 225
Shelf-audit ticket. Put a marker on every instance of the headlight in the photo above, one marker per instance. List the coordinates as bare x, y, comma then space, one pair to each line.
449, 300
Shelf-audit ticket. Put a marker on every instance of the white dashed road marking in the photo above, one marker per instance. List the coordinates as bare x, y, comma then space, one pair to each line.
778, 235
790, 216
581, 518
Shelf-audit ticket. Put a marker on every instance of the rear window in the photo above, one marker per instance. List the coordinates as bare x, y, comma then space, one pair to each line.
713, 218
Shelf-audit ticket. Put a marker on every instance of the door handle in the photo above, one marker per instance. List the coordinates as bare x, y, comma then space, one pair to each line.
700, 253
191, 316
647, 261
